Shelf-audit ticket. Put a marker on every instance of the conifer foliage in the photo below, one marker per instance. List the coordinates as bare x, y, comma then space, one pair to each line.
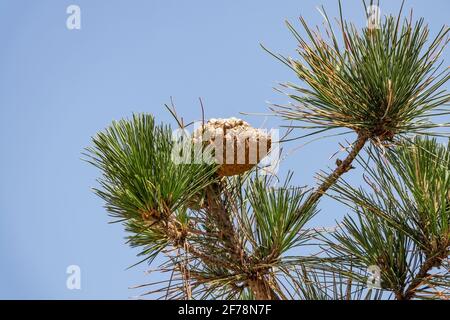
242, 236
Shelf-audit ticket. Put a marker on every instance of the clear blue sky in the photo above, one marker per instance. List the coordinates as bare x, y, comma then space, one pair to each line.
59, 87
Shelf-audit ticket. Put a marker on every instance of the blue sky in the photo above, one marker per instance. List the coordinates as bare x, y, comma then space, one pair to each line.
58, 87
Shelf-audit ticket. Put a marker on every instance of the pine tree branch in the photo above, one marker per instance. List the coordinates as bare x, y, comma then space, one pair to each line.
342, 168
258, 284
257, 281
179, 240
423, 275
418, 280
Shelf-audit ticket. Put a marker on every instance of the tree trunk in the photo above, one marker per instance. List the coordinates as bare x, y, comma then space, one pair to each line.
262, 290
